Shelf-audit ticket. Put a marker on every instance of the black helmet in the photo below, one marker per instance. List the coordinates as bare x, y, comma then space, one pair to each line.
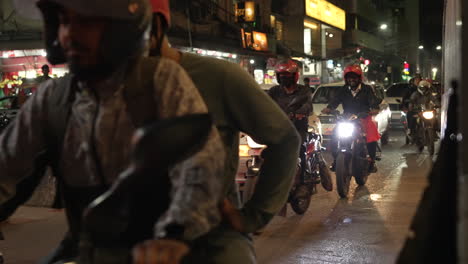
125, 38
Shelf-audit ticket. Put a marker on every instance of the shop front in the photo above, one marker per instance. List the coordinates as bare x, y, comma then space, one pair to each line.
21, 68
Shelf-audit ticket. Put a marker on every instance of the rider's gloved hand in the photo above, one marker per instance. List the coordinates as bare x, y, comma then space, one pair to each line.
161, 251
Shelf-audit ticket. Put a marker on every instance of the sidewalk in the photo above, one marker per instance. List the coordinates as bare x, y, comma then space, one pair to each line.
31, 233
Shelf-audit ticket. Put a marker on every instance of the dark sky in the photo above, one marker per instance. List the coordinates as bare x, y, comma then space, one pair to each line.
431, 16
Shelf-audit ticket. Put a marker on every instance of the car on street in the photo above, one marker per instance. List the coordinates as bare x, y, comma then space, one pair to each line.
394, 97
325, 124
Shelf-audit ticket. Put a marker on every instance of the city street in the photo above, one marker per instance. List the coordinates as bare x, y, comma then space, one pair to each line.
369, 227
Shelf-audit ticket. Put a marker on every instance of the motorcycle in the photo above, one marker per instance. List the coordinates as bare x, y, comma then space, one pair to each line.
119, 219
426, 127
311, 171
352, 159
247, 180
309, 174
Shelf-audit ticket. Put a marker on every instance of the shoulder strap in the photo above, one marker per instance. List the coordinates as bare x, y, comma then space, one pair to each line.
139, 92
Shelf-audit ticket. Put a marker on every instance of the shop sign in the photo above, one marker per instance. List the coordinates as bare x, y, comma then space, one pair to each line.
326, 12
245, 11
254, 40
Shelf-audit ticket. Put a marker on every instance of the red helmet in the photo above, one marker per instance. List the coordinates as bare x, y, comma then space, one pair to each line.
288, 67
162, 7
353, 68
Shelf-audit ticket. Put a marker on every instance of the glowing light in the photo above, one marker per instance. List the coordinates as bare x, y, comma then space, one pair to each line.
439, 47
383, 26
375, 197
331, 35
421, 47
310, 25
459, 23
252, 61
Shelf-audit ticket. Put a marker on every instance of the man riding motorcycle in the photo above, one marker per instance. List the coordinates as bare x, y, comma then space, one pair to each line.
111, 91
423, 96
357, 98
287, 74
287, 92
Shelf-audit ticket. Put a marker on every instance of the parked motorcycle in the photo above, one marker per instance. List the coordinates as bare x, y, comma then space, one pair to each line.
353, 158
426, 127
247, 181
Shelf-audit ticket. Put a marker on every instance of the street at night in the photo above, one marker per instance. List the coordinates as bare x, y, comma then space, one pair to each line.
233, 132
368, 227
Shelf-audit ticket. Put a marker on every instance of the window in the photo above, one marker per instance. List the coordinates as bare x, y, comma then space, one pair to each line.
307, 41
279, 30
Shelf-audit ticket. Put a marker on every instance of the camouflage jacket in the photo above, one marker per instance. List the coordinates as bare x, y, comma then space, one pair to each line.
97, 146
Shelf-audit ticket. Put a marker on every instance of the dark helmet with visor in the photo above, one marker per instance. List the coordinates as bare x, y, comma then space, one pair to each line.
126, 37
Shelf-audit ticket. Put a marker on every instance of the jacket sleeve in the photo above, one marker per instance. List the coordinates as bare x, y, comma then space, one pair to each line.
337, 100
307, 108
23, 144
196, 187
256, 114
374, 101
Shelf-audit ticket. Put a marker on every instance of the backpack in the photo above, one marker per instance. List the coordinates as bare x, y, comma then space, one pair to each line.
138, 86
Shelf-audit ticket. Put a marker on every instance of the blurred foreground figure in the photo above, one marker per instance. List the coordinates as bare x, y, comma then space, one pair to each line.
94, 111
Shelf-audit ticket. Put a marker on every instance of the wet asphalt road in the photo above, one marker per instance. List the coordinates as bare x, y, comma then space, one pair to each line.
369, 226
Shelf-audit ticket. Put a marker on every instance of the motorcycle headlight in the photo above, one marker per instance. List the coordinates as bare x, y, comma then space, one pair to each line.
428, 115
253, 144
345, 130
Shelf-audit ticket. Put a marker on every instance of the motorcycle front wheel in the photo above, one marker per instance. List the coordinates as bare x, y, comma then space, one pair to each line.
343, 174
360, 165
300, 199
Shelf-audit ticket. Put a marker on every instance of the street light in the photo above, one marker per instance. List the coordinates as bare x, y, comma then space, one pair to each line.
383, 27
252, 62
421, 47
439, 47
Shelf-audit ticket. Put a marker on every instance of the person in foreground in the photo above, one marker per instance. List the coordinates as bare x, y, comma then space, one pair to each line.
82, 125
237, 104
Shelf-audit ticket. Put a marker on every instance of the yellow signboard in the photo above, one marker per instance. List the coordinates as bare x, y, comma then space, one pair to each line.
326, 12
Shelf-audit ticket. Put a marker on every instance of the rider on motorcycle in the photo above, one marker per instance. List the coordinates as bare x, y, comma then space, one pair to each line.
422, 96
288, 90
357, 98
287, 74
